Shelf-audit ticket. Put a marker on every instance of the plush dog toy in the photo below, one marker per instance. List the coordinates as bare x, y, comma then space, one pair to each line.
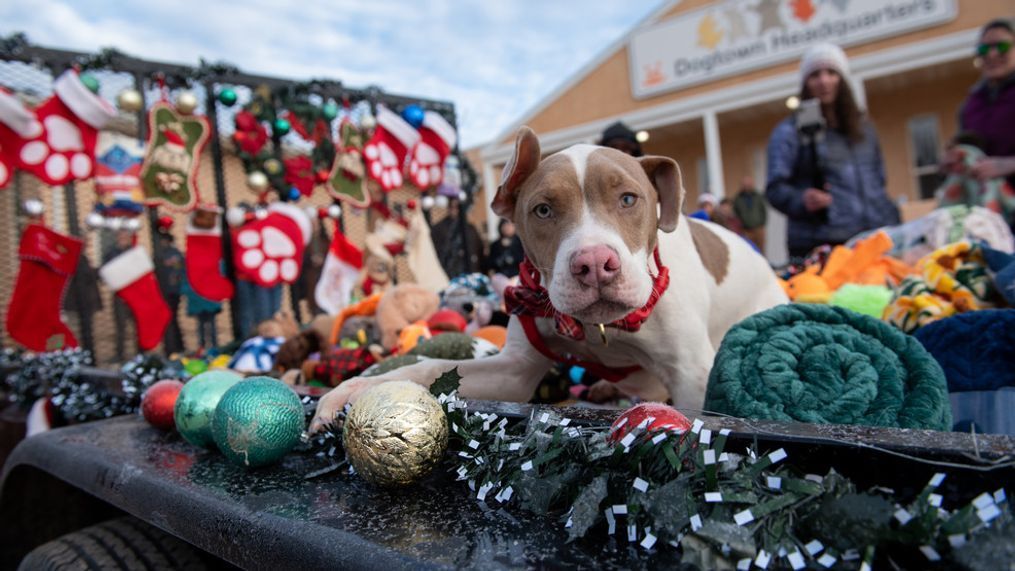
400, 306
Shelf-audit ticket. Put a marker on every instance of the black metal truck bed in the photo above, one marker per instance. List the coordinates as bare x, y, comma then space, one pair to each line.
278, 518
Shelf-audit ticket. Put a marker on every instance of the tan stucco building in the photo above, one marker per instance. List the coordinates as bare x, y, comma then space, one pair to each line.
709, 81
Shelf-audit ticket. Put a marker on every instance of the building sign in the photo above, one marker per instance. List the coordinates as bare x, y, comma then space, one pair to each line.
736, 36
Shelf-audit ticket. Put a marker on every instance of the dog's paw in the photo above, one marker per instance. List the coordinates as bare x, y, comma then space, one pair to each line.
333, 402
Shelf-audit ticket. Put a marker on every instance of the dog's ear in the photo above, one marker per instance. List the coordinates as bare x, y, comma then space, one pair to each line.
522, 164
664, 173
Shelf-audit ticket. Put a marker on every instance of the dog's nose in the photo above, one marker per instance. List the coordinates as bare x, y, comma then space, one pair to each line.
595, 266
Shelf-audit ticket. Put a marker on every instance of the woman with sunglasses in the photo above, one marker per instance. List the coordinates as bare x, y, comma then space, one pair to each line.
989, 110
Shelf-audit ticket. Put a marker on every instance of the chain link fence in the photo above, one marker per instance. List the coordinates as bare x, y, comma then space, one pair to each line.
88, 305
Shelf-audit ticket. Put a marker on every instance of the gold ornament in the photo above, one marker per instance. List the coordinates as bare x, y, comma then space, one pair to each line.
257, 181
130, 100
395, 433
273, 166
186, 102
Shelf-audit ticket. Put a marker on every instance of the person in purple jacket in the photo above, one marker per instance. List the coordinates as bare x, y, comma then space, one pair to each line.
989, 109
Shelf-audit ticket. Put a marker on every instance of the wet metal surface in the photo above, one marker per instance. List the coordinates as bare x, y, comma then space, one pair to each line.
276, 518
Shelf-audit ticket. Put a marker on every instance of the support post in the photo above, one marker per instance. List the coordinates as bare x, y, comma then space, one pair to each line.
713, 155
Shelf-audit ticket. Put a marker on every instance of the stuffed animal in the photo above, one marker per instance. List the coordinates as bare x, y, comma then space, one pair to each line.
379, 262
295, 350
364, 308
472, 296
865, 263
360, 330
455, 346
257, 354
447, 320
400, 306
412, 335
376, 275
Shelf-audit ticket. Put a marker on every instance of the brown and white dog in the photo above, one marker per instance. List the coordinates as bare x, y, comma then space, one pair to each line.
590, 219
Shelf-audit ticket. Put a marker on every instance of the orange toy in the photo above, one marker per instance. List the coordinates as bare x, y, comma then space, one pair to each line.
808, 287
411, 335
496, 334
864, 264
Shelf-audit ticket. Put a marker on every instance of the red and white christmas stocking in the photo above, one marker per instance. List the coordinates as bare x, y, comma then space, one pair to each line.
270, 251
16, 122
132, 276
204, 255
59, 146
385, 152
48, 259
339, 274
437, 138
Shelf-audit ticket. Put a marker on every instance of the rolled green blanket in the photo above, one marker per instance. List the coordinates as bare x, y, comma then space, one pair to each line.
822, 364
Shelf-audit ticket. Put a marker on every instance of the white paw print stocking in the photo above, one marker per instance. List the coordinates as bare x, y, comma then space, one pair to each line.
16, 122
269, 251
6, 168
437, 138
385, 152
58, 146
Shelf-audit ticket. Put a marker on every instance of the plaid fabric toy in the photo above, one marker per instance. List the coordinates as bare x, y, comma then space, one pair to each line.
341, 363
953, 279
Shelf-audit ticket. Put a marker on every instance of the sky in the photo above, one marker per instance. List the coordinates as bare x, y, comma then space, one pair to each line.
494, 60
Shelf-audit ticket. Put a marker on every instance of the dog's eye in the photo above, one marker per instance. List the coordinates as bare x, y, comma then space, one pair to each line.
542, 210
628, 200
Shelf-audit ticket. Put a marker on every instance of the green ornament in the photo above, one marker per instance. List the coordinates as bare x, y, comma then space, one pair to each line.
330, 111
90, 82
227, 97
281, 127
257, 421
196, 404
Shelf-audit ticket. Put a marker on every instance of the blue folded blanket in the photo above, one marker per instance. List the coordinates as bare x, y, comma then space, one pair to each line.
975, 349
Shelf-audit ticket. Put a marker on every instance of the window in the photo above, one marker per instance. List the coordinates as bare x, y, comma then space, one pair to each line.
925, 145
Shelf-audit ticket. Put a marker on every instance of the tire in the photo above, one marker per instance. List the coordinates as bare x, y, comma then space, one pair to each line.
124, 543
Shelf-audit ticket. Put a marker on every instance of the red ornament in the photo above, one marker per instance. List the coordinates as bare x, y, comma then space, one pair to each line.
663, 417
299, 173
250, 136
165, 223
322, 176
411, 204
158, 402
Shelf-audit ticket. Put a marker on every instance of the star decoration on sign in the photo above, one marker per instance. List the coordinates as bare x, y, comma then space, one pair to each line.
736, 26
770, 18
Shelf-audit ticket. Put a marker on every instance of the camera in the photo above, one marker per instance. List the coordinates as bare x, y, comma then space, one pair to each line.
810, 122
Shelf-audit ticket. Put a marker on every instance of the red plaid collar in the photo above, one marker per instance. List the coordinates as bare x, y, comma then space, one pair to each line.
530, 298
